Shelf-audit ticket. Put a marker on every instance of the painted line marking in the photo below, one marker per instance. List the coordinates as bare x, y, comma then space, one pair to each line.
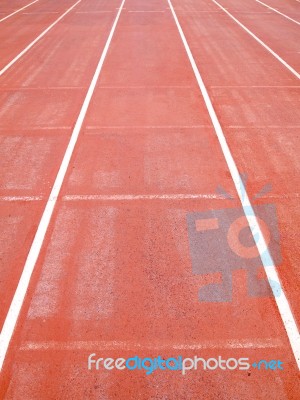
264, 126
146, 11
258, 86
126, 197
218, 12
94, 12
268, 263
33, 128
278, 12
195, 11
52, 88
148, 87
293, 71
40, 13
21, 198
12, 62
133, 197
281, 196
19, 296
93, 127
20, 9
268, 343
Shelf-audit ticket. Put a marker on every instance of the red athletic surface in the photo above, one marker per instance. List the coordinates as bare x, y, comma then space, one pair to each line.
118, 272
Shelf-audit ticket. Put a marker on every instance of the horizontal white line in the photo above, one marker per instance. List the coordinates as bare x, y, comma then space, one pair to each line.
41, 13
198, 11
21, 198
147, 11
280, 196
121, 197
128, 346
125, 197
219, 12
146, 126
94, 12
20, 9
44, 88
147, 87
264, 126
252, 12
257, 86
33, 128
278, 12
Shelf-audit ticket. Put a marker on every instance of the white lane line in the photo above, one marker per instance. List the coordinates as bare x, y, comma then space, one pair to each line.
20, 9
281, 196
146, 11
128, 197
293, 71
44, 88
94, 12
132, 197
93, 127
264, 126
258, 86
41, 13
278, 12
268, 263
147, 87
19, 296
21, 198
219, 12
198, 12
33, 128
12, 62
267, 343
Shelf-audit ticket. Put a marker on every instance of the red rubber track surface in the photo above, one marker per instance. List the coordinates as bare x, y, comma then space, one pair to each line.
114, 275
17, 33
276, 31
257, 108
10, 6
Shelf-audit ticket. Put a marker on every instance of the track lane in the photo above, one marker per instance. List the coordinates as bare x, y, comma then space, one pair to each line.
17, 11
19, 36
266, 256
276, 32
278, 12
147, 281
247, 110
7, 6
63, 66
37, 115
291, 8
218, 71
145, 289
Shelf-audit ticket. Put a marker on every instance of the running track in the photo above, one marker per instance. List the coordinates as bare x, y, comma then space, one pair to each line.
107, 142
